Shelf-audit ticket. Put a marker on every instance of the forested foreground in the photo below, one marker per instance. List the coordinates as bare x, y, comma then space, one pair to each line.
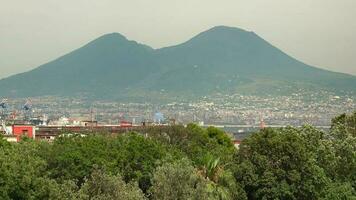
185, 163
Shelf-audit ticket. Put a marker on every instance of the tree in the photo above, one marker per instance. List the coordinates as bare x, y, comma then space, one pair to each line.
180, 180
197, 143
342, 141
101, 186
137, 157
185, 163
277, 164
3, 143
65, 190
72, 158
22, 172
211, 169
219, 182
132, 155
175, 181
337, 190
345, 122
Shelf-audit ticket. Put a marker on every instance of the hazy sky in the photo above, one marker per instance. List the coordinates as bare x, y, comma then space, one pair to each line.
318, 32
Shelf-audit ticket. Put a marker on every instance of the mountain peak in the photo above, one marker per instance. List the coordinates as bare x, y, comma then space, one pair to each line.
223, 28
219, 35
223, 33
226, 31
111, 41
113, 35
109, 38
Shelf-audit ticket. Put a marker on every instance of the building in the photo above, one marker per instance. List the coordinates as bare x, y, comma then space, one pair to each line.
20, 131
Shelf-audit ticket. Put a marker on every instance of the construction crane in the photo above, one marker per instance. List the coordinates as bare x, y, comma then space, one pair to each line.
3, 103
28, 105
27, 108
3, 107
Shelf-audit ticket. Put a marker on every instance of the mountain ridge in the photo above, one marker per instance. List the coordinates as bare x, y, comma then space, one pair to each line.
222, 59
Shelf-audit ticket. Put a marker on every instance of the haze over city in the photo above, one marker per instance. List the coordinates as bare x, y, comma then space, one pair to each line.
321, 33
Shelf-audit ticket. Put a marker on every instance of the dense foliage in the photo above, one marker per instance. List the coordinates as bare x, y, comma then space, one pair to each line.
185, 163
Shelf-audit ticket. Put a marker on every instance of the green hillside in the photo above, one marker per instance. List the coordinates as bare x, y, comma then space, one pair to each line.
222, 59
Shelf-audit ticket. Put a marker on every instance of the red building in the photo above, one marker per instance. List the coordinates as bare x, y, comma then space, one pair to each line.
23, 130
125, 124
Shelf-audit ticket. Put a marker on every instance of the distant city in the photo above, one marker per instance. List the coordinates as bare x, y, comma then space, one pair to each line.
297, 109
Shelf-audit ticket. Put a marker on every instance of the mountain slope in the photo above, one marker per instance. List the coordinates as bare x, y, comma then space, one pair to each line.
222, 59
104, 66
234, 57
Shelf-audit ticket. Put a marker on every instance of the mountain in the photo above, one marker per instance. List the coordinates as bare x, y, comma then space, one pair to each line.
107, 64
231, 58
219, 60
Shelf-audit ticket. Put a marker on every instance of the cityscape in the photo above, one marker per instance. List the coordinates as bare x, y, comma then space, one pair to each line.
297, 109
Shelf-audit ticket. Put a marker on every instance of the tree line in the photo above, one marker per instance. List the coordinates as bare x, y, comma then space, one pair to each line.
185, 163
